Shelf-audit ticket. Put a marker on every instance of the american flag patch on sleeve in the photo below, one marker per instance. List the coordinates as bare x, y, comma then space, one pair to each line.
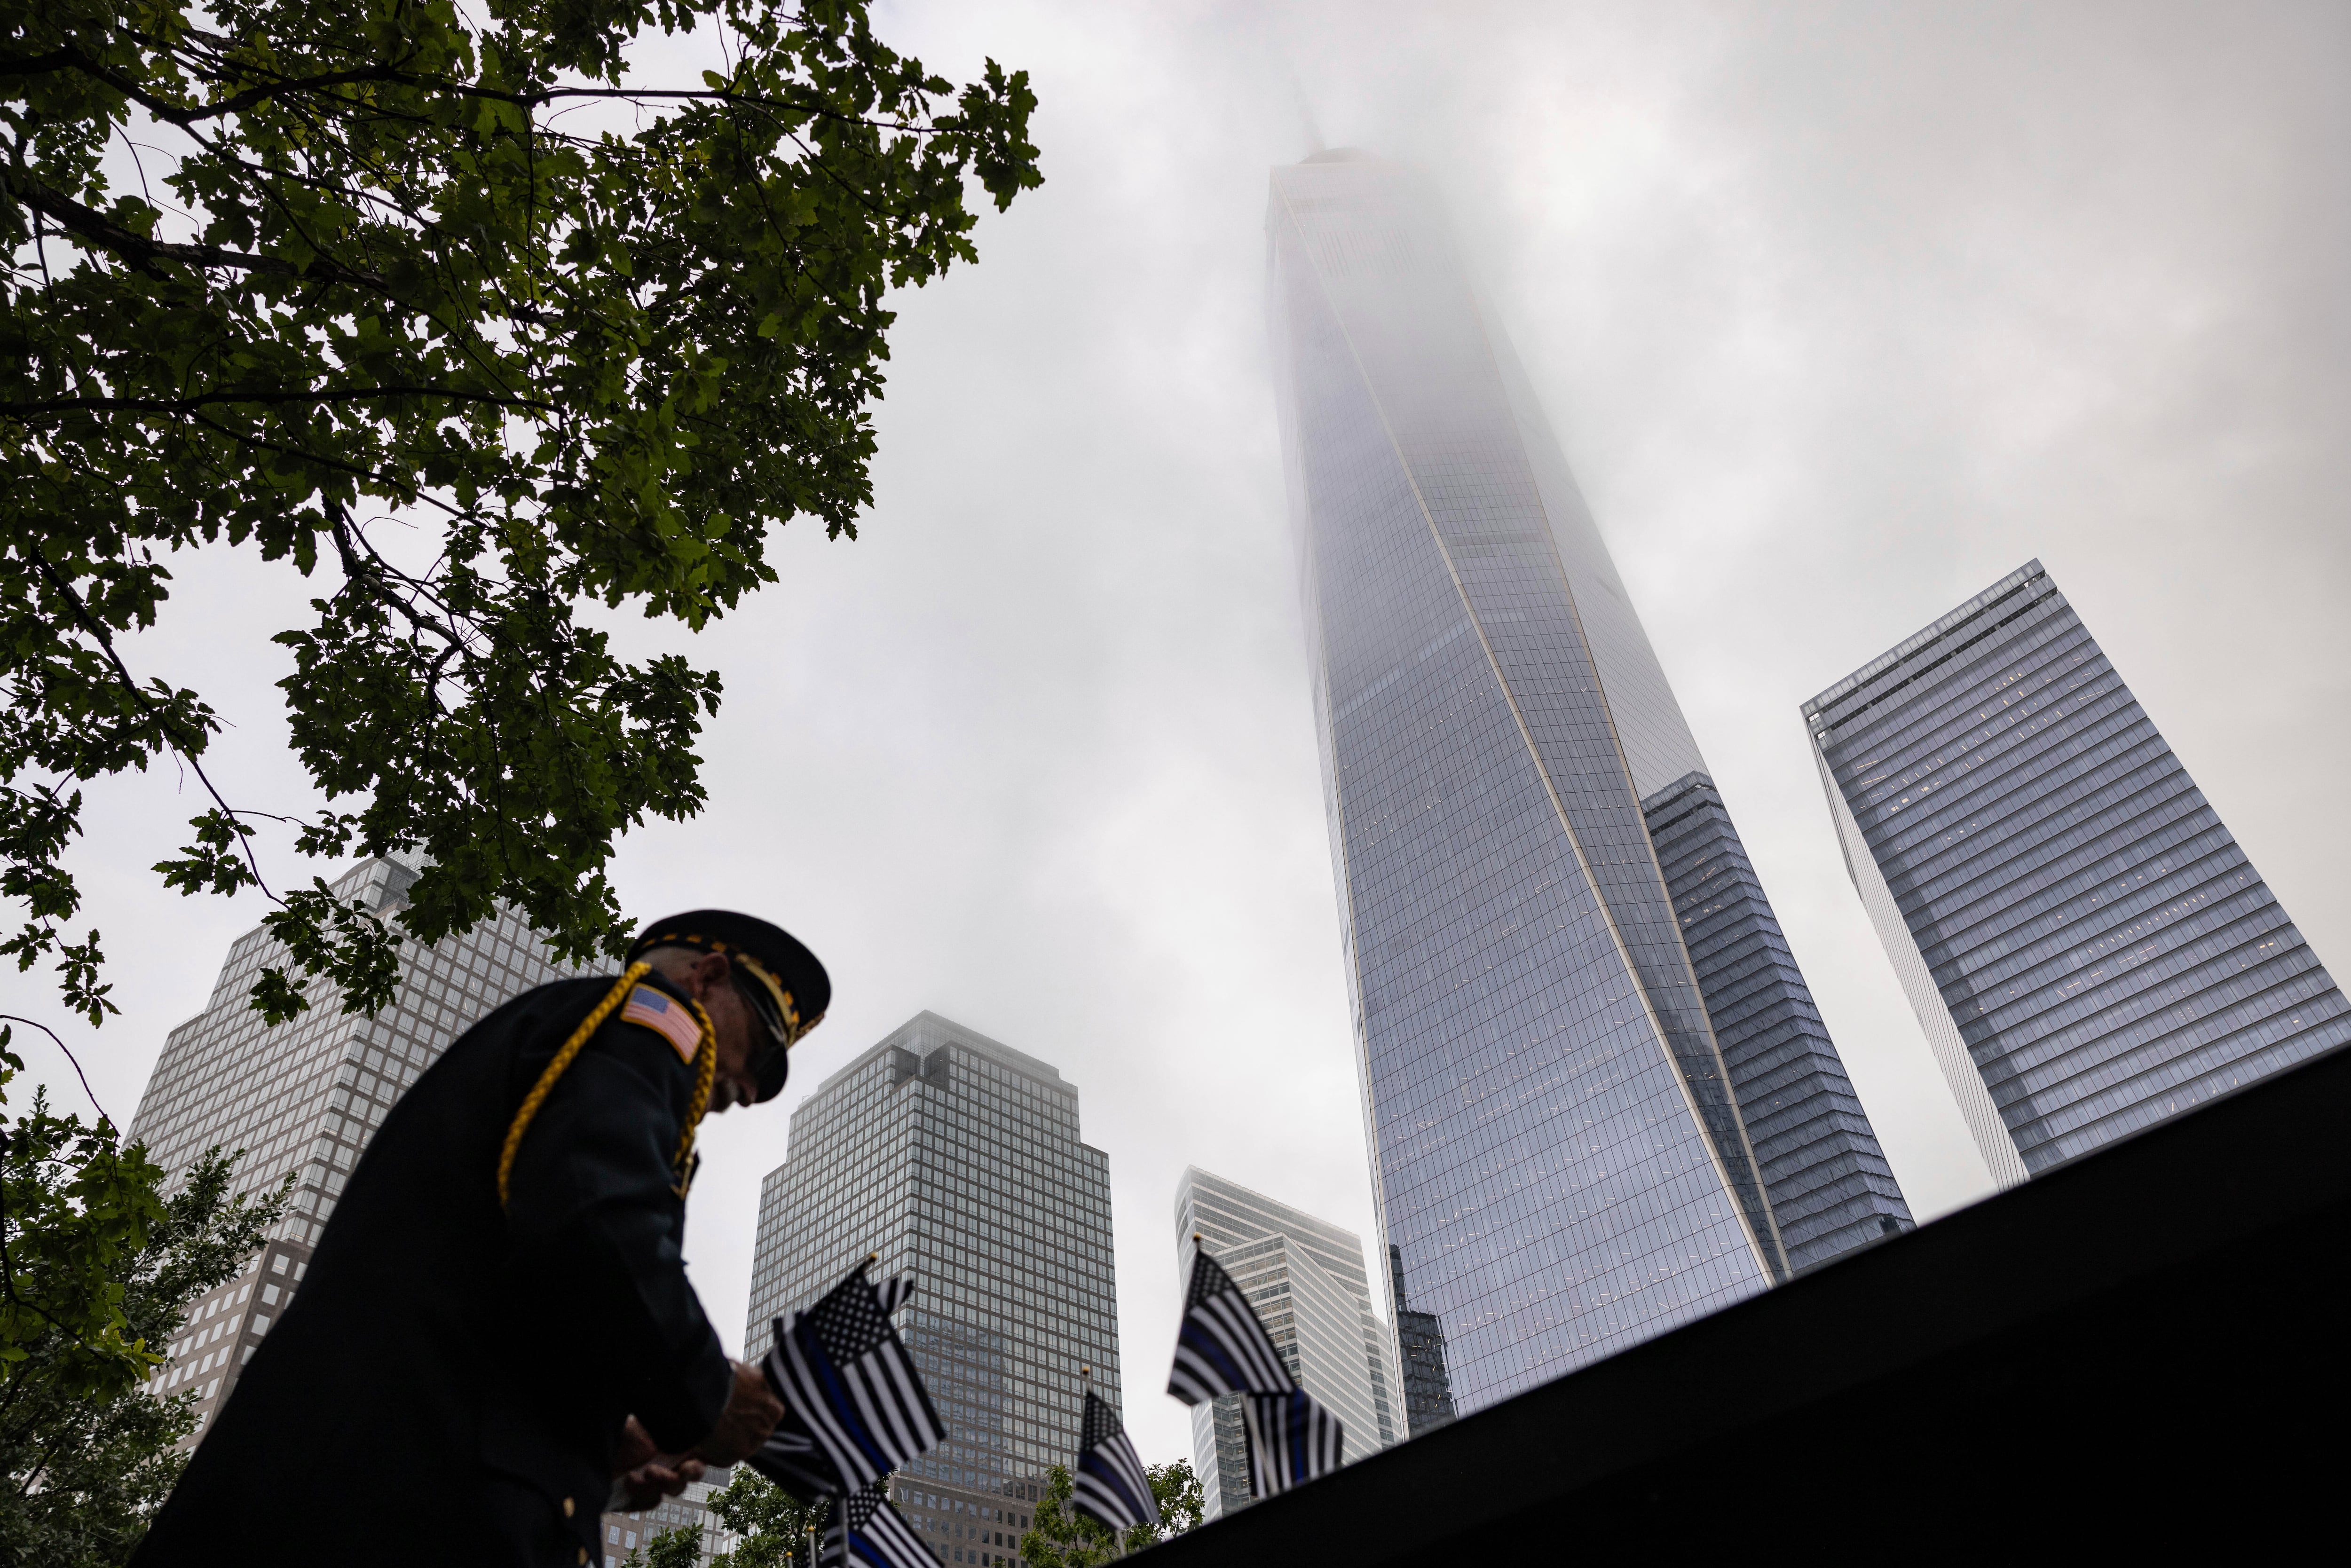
667, 1018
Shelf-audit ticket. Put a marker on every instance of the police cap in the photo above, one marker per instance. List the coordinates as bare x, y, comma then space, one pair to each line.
782, 979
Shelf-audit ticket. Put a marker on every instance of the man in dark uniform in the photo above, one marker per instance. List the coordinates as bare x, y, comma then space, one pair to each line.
496, 1326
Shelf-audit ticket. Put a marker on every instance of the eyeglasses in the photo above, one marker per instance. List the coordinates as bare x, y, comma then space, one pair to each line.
763, 1008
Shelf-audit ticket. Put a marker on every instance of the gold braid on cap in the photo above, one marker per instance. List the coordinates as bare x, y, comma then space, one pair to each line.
793, 1026
706, 1074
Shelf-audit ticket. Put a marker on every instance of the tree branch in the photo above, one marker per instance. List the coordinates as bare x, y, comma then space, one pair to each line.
96, 629
13, 1018
142, 252
186, 115
325, 395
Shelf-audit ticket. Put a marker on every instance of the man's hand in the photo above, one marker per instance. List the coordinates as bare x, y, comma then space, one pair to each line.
645, 1474
752, 1411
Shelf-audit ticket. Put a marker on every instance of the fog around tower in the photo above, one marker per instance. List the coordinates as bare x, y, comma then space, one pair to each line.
1840, 313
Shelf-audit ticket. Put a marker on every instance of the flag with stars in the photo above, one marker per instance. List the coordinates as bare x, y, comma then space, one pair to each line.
855, 1407
1221, 1346
666, 1016
866, 1530
1109, 1482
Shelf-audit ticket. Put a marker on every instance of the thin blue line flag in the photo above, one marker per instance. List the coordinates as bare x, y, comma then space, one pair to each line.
1292, 1439
1110, 1483
866, 1530
1221, 1347
854, 1405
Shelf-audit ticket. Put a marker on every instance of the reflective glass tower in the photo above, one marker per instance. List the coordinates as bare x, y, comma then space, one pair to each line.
2086, 947
1830, 1186
1306, 1278
955, 1156
1420, 1347
1558, 1149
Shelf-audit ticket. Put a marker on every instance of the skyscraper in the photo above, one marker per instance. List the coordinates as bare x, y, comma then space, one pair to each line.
1830, 1186
1420, 1347
303, 1098
2086, 946
1305, 1278
1558, 1150
942, 1151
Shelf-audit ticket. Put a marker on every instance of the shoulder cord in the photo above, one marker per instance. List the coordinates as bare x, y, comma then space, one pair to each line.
706, 1074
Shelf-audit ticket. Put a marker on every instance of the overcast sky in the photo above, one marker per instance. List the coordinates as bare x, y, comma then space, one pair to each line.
1841, 312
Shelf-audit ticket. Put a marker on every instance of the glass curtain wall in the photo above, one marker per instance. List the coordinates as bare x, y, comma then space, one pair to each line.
2089, 949
1556, 1154
959, 1158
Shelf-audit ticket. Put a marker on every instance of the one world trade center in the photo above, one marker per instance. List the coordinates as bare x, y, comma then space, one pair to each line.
1599, 1100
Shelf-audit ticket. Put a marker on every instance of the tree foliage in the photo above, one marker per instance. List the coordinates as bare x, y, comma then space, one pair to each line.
86, 1451
771, 1524
75, 1208
460, 316
677, 1548
1061, 1537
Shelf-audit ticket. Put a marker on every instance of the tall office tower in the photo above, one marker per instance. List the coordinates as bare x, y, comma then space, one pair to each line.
2087, 947
1420, 1347
942, 1151
1556, 1149
303, 1098
1305, 1277
1829, 1185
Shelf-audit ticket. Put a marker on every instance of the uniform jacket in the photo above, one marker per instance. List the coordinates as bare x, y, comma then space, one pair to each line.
449, 1381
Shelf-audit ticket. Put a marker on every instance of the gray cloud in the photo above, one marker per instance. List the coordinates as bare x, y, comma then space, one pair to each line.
1841, 312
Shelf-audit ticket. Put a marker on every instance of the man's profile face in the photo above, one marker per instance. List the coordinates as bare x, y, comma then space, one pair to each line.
710, 980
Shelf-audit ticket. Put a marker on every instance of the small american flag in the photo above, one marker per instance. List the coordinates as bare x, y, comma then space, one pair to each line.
666, 1016
1221, 1347
855, 1407
1292, 1439
1110, 1483
867, 1530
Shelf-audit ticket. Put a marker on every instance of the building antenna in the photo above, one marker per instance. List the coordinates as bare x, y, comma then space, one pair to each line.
1306, 117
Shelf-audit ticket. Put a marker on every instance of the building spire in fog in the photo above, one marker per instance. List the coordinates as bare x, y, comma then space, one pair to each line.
1306, 117
1560, 1155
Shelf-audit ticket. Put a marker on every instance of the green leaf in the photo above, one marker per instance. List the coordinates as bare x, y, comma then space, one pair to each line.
428, 304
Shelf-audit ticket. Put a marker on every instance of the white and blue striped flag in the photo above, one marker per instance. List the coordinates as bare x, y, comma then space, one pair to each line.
866, 1530
1292, 1439
1221, 1346
1110, 1483
854, 1405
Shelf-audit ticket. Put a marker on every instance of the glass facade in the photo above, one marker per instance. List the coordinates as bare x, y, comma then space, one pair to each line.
958, 1159
1420, 1347
1557, 1152
1830, 1186
1305, 1278
2089, 949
